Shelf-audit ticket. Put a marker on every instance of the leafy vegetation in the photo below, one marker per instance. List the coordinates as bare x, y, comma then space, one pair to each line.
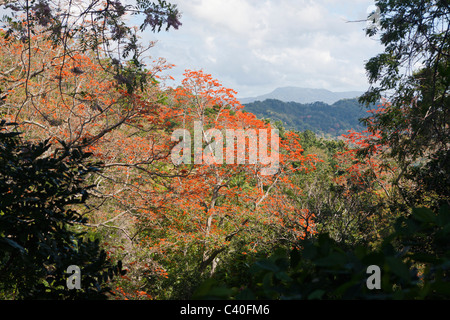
88, 176
328, 120
39, 237
324, 269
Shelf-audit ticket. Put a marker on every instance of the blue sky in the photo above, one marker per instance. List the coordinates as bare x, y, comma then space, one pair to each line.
255, 46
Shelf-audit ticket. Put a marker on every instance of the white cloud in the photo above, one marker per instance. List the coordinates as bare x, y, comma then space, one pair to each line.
254, 46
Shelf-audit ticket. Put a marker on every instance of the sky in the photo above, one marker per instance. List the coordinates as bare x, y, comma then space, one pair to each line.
255, 46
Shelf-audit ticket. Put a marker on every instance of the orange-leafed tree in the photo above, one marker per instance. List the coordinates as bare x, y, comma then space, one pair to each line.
74, 99
228, 199
366, 179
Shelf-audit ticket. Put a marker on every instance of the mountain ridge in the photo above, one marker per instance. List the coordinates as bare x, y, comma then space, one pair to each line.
303, 95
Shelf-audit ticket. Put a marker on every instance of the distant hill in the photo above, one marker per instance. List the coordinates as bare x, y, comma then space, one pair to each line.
319, 117
304, 95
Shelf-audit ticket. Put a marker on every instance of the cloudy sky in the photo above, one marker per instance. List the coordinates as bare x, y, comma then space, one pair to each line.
255, 46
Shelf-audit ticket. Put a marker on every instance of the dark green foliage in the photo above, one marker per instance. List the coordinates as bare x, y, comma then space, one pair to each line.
158, 14
413, 75
39, 227
319, 117
414, 262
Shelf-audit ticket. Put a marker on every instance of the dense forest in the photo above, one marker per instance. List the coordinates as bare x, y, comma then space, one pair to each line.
94, 206
321, 118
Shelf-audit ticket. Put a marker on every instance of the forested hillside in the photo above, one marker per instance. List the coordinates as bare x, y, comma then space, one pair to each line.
114, 185
319, 117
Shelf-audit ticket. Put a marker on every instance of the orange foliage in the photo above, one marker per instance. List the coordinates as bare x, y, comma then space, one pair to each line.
70, 96
363, 161
218, 202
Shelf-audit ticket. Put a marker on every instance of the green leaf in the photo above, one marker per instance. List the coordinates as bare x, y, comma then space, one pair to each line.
210, 289
317, 294
246, 294
334, 259
283, 276
441, 287
295, 258
398, 267
268, 265
424, 215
